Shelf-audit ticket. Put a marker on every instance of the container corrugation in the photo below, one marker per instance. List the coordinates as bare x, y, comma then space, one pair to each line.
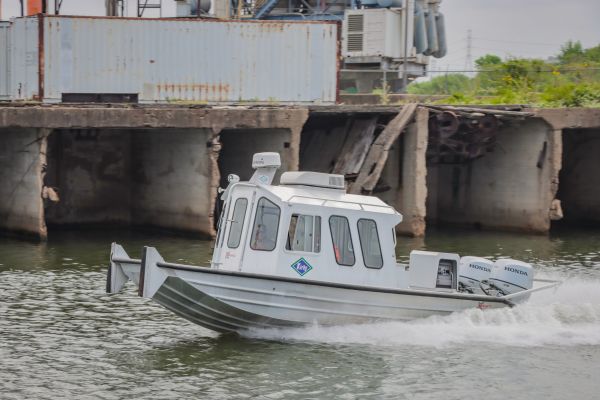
24, 59
4, 61
165, 60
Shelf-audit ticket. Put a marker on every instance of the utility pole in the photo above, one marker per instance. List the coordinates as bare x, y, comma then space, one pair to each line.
469, 57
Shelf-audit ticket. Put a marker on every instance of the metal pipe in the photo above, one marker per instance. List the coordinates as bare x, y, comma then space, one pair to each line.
405, 62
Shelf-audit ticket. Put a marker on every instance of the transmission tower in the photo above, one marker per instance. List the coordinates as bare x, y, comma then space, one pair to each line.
469, 57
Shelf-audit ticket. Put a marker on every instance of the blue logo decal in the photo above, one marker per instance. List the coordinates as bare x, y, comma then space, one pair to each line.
302, 267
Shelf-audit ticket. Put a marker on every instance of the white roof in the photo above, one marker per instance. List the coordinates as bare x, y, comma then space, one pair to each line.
330, 198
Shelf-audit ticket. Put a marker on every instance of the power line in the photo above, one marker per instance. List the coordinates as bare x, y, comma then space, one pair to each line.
516, 42
560, 70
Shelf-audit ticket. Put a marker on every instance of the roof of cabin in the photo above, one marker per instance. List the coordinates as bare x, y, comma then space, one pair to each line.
329, 198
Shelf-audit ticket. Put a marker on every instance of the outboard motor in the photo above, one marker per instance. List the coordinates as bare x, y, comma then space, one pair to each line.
472, 272
511, 276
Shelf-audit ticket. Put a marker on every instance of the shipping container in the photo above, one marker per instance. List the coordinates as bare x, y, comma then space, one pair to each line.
172, 60
24, 66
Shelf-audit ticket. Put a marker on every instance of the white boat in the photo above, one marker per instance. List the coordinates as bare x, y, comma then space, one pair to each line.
305, 252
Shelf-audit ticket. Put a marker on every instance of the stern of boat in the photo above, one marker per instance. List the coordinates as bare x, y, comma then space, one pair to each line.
121, 269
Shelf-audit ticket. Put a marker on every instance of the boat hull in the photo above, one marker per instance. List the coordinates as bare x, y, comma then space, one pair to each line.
228, 301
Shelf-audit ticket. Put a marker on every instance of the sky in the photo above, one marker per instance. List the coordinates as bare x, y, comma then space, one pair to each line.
517, 28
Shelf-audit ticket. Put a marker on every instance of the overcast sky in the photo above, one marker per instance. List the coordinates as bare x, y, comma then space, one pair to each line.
520, 28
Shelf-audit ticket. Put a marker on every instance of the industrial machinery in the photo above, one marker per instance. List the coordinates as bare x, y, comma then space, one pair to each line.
385, 43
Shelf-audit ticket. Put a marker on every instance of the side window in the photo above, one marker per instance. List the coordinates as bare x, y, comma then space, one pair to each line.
369, 243
237, 223
304, 233
266, 225
342, 241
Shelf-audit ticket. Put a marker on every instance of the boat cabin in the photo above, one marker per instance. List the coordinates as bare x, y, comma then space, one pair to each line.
307, 227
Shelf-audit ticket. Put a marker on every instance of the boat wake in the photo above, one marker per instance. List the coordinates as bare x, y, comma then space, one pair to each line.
566, 316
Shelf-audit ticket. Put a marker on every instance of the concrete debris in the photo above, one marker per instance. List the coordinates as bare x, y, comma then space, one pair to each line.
50, 194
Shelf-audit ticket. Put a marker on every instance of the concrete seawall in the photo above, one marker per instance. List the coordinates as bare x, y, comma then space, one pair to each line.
160, 166
155, 167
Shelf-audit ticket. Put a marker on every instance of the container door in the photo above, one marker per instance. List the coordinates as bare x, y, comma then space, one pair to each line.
236, 232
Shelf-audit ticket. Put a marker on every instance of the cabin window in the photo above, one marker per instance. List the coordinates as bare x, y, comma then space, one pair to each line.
342, 240
304, 233
237, 223
266, 225
369, 243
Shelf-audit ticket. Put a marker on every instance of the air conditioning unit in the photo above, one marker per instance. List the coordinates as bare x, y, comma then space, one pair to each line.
375, 32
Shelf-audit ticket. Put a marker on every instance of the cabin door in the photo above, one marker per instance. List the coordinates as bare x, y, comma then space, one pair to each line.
236, 228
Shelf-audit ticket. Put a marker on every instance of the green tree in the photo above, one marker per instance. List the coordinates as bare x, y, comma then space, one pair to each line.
571, 52
489, 60
592, 54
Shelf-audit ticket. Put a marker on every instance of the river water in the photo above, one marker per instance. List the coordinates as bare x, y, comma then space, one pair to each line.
61, 336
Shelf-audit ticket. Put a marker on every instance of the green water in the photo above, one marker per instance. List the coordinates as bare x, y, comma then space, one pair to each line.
61, 336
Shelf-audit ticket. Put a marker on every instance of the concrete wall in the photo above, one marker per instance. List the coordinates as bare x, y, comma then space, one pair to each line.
90, 169
150, 166
512, 187
172, 183
579, 183
22, 161
322, 139
239, 145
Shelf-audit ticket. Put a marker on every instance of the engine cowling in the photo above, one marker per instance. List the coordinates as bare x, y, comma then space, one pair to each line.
511, 276
472, 271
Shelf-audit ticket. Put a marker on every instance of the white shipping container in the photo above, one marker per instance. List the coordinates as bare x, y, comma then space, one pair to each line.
171, 60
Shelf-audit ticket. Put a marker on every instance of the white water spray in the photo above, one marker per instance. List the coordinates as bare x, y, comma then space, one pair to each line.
566, 316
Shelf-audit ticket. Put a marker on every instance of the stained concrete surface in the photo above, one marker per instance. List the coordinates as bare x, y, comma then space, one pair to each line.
508, 188
150, 166
22, 164
172, 180
161, 165
579, 189
90, 169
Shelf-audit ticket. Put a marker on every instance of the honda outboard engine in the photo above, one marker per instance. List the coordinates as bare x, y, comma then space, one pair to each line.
511, 276
472, 271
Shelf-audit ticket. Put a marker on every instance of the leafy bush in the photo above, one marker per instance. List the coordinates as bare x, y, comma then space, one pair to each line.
572, 82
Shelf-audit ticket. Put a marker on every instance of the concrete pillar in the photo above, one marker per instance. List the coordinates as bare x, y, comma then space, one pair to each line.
411, 203
22, 168
405, 173
173, 179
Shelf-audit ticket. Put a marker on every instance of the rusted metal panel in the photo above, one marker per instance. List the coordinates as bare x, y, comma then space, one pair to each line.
191, 60
4, 60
